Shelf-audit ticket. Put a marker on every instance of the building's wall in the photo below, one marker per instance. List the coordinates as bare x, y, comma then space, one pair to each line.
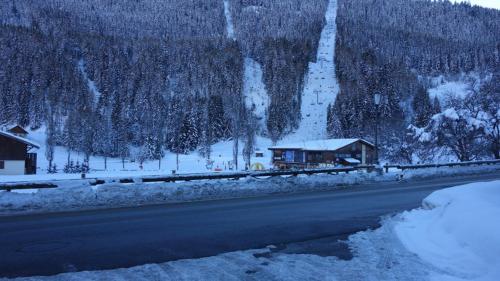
11, 149
13, 167
357, 150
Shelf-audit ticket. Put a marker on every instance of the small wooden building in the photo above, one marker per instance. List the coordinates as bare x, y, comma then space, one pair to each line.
15, 156
323, 153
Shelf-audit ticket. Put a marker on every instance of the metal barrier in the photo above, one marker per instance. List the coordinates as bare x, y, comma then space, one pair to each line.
254, 174
239, 175
456, 164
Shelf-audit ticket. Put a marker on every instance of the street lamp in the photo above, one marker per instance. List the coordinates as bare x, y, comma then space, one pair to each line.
377, 98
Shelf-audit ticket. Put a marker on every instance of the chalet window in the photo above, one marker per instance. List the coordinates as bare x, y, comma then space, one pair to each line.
278, 155
2, 164
314, 157
344, 155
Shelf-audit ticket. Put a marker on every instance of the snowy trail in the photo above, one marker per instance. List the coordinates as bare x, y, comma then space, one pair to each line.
90, 84
229, 21
321, 87
254, 89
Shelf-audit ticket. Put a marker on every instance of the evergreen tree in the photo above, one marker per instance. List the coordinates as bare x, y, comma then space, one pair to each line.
422, 108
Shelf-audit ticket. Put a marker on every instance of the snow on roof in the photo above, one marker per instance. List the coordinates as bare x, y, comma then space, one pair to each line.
20, 139
320, 145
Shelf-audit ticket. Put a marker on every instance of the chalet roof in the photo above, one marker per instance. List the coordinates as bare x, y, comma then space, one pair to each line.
320, 145
18, 130
19, 139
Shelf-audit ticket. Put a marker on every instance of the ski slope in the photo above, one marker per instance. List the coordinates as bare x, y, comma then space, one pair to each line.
254, 89
321, 87
229, 21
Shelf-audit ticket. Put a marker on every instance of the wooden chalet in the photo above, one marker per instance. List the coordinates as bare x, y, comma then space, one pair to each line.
323, 153
15, 155
18, 131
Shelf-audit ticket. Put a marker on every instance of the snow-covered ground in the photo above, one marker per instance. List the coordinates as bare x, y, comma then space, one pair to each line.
454, 236
321, 87
459, 86
222, 154
457, 231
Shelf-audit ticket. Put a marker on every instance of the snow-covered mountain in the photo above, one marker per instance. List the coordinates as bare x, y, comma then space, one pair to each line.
138, 81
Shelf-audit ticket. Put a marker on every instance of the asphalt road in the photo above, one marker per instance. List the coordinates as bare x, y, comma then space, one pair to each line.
105, 239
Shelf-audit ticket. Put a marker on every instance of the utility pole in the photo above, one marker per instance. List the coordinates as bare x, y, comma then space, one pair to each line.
377, 98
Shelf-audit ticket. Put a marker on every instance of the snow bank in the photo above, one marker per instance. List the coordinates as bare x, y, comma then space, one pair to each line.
447, 171
80, 195
457, 231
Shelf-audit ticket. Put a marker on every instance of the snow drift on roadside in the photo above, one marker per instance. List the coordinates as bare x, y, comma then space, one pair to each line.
457, 231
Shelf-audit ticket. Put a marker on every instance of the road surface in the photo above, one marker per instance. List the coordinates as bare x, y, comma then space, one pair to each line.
53, 243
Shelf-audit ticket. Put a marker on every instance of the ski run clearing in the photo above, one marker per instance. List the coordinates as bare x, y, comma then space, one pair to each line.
455, 235
321, 87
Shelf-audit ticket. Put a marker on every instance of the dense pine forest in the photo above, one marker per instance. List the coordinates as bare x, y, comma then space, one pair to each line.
104, 76
387, 46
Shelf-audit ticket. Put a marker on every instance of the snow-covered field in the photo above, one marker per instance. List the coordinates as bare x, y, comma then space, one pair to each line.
222, 154
454, 236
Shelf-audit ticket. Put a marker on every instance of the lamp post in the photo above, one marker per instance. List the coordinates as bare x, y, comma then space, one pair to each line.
377, 98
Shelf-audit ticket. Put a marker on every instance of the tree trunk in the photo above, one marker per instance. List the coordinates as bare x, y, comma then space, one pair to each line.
177, 161
235, 152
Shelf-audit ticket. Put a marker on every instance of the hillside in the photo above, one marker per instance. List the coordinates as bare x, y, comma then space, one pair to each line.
138, 80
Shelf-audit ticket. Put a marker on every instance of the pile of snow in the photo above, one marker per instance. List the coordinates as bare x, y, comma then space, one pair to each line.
457, 231
456, 236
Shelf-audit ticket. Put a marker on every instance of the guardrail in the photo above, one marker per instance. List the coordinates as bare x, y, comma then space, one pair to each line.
9, 187
244, 174
456, 164
239, 175
197, 177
